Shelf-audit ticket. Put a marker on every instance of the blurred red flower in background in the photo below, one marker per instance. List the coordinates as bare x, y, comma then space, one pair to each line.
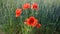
38, 25
26, 6
34, 6
32, 21
18, 12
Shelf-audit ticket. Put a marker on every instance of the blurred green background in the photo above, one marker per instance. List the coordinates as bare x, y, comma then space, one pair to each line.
48, 15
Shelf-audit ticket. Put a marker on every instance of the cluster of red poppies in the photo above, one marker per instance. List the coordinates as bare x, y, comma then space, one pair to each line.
31, 21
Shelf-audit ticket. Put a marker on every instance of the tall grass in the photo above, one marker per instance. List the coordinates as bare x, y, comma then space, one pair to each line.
48, 16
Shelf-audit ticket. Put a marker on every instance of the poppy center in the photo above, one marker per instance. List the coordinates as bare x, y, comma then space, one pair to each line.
31, 21
34, 6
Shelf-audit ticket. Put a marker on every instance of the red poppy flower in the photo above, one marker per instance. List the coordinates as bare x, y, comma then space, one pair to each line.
31, 21
34, 6
38, 25
18, 12
26, 6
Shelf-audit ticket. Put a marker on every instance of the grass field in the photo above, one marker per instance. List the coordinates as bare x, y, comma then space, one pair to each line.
48, 16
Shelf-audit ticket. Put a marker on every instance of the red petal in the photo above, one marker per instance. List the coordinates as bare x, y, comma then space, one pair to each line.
38, 25
18, 12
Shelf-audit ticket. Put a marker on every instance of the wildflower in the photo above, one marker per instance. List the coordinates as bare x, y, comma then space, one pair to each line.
34, 6
26, 6
32, 21
38, 25
18, 12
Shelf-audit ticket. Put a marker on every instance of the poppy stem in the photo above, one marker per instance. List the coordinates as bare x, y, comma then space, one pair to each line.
26, 14
32, 13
